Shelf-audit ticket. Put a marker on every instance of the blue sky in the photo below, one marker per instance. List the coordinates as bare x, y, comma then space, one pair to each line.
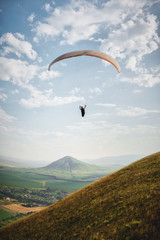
39, 110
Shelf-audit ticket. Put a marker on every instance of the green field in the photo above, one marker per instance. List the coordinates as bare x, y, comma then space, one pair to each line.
30, 180
68, 186
4, 213
7, 216
24, 178
18, 179
39, 186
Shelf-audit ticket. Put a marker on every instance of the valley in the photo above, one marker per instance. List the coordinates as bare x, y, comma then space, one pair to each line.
26, 190
123, 205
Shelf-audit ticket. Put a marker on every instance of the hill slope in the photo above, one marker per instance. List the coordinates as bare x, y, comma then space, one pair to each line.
124, 205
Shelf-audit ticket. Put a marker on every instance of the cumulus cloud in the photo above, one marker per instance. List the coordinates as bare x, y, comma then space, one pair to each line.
31, 17
16, 71
84, 20
134, 39
15, 44
21, 74
79, 20
138, 34
47, 7
130, 31
46, 98
143, 80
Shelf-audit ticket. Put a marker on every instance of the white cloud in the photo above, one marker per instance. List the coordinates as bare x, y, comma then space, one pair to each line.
3, 96
15, 43
4, 117
132, 32
80, 20
15, 91
46, 98
47, 7
135, 111
31, 17
20, 73
95, 90
130, 111
16, 71
106, 104
74, 91
143, 80
46, 75
134, 39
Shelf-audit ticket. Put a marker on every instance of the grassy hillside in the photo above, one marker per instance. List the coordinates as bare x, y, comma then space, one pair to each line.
122, 206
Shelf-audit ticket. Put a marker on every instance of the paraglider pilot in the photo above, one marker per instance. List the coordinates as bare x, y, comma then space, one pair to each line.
82, 110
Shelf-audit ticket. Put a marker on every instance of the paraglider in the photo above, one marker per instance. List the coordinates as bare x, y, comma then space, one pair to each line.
92, 53
82, 110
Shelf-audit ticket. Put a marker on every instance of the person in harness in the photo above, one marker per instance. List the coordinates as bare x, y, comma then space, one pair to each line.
82, 110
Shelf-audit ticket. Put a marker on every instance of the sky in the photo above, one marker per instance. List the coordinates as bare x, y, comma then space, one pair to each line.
40, 120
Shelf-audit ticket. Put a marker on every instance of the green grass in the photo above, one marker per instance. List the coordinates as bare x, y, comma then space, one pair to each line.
5, 216
4, 213
68, 186
33, 178
122, 206
18, 179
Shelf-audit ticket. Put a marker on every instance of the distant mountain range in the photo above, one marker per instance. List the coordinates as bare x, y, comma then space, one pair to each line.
115, 161
64, 168
10, 162
20, 163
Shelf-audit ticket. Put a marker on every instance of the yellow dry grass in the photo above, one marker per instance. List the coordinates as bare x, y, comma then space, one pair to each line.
21, 209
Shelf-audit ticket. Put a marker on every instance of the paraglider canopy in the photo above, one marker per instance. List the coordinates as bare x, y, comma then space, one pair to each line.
97, 54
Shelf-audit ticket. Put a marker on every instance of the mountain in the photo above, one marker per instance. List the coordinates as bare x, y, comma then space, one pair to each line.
20, 163
70, 164
10, 162
115, 161
71, 168
123, 205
